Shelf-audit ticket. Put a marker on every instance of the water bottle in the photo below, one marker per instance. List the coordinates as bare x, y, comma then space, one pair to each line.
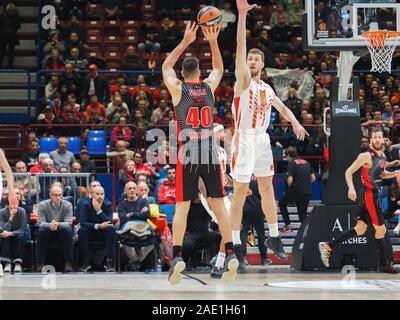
158, 267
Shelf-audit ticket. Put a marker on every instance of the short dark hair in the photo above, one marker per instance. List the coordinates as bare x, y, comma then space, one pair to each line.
291, 152
33, 140
190, 65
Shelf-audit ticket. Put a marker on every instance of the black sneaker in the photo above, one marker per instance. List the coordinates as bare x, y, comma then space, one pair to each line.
388, 268
216, 272
240, 257
85, 267
275, 244
178, 265
109, 267
265, 261
230, 268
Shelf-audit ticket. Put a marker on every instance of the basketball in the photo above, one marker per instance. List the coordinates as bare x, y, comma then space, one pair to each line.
209, 16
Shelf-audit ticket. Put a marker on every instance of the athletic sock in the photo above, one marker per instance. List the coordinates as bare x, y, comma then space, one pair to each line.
381, 251
220, 259
236, 237
273, 230
350, 233
229, 248
177, 251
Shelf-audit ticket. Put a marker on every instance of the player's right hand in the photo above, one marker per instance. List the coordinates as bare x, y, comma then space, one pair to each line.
352, 195
190, 32
300, 132
243, 6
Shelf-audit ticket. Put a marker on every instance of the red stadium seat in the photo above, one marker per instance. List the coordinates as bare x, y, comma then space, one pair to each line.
130, 24
94, 40
94, 32
112, 55
94, 24
94, 54
113, 40
129, 40
112, 28
129, 31
113, 65
204, 56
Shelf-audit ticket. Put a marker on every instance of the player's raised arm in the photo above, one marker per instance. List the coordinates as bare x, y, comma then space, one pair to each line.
362, 159
211, 34
169, 75
242, 71
298, 129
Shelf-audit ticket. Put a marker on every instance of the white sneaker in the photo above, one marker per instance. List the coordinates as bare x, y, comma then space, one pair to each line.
397, 229
1, 270
7, 269
17, 268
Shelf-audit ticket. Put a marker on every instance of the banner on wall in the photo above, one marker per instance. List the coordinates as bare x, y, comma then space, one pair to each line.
282, 80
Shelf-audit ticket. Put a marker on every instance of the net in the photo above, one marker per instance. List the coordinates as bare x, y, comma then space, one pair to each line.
381, 45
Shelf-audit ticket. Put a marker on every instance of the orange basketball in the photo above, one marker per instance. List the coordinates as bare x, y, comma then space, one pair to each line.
209, 16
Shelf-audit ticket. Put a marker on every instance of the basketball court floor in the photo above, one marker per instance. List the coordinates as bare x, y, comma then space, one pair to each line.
258, 283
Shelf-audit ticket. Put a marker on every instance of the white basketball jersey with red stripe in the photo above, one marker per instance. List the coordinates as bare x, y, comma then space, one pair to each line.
252, 110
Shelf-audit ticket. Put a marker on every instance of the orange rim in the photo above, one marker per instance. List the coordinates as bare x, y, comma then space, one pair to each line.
377, 38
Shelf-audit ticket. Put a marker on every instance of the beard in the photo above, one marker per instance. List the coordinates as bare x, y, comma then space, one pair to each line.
377, 146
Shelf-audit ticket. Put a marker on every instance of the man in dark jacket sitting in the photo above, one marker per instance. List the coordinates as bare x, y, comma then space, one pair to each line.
133, 207
95, 220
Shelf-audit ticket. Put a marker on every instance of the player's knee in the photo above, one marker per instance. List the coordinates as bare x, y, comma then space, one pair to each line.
266, 189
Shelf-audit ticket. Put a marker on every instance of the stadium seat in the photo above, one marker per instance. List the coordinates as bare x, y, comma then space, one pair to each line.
48, 144
168, 210
130, 24
96, 134
74, 144
96, 145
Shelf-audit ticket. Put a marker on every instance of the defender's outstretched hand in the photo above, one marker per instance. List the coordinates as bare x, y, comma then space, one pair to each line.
300, 132
190, 32
211, 33
243, 6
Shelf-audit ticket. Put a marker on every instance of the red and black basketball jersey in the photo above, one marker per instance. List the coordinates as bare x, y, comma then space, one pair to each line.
372, 177
194, 112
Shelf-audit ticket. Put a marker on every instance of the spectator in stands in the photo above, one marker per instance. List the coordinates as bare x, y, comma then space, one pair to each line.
112, 10
78, 62
161, 93
55, 222
186, 13
139, 119
75, 42
93, 9
126, 96
283, 135
47, 119
140, 166
86, 194
94, 84
227, 15
143, 191
38, 167
295, 14
71, 99
299, 179
279, 9
122, 155
133, 207
131, 11
95, 106
387, 114
166, 192
116, 107
87, 165
95, 218
312, 63
70, 83
29, 181
131, 61
80, 181
61, 156
25, 199
159, 112
31, 158
293, 102
12, 238
53, 43
169, 35
53, 87
148, 36
75, 27
9, 26
54, 62
69, 116
152, 63
121, 132
282, 36
198, 235
128, 174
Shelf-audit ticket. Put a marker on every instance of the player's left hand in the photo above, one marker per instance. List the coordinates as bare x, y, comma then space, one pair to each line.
300, 132
211, 33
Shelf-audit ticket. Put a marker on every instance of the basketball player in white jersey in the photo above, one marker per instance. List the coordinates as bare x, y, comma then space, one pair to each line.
251, 149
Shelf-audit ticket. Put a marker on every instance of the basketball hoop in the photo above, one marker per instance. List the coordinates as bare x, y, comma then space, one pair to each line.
381, 45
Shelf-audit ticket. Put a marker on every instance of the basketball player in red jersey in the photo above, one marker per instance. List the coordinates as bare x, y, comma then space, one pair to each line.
193, 102
372, 164
251, 149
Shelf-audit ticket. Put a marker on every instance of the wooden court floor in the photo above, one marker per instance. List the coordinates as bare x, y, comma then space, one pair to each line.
258, 283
